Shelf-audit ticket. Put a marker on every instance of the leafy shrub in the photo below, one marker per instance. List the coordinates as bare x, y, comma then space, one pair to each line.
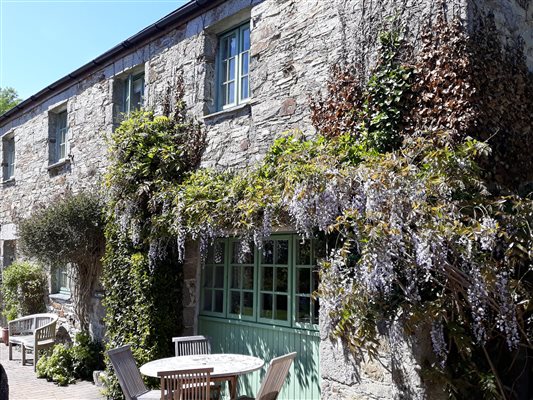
66, 364
58, 366
24, 289
141, 276
87, 356
69, 231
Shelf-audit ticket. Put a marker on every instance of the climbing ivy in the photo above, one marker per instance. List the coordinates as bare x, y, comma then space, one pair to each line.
142, 277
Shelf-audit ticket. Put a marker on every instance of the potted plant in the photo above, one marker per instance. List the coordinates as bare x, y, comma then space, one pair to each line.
5, 335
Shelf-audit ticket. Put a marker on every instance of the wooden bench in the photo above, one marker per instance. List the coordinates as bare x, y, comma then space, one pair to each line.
34, 332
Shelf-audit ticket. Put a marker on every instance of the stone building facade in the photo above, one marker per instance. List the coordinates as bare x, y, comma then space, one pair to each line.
292, 45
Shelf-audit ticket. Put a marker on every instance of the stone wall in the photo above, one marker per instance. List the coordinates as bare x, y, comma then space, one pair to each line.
293, 45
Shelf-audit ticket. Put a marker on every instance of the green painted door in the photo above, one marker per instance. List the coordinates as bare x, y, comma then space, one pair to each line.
260, 302
267, 342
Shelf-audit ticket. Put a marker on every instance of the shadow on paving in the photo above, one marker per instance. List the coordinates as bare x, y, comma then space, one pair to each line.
23, 383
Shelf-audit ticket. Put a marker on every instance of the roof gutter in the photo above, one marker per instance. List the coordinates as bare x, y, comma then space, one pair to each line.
180, 16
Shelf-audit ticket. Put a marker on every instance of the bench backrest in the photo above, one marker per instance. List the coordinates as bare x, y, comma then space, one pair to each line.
30, 323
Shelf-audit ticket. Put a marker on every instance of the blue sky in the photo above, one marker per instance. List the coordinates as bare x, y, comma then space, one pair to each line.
43, 40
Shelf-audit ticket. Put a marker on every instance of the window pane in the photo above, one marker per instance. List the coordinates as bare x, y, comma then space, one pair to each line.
248, 278
281, 279
215, 253
244, 88
235, 303
303, 309
219, 277
282, 252
267, 278
235, 277
208, 276
219, 301
244, 64
303, 253
245, 39
303, 280
242, 253
316, 279
248, 304
208, 300
232, 45
281, 307
231, 69
268, 252
266, 305
231, 93
316, 308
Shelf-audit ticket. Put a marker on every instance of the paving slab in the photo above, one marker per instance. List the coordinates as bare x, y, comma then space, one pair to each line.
24, 384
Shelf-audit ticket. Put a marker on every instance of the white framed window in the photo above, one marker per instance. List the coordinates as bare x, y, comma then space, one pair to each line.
58, 136
133, 98
8, 162
233, 67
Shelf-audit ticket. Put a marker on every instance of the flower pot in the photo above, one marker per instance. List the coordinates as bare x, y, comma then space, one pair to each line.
5, 335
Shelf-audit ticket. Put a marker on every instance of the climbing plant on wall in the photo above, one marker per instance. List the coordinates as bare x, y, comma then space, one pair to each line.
425, 234
432, 227
142, 275
70, 231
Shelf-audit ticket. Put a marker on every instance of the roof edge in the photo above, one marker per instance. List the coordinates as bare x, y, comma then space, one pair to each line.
181, 15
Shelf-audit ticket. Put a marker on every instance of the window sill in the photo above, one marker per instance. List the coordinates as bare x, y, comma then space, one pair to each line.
229, 111
59, 164
60, 296
8, 182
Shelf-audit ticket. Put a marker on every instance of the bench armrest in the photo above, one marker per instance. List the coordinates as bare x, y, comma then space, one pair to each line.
46, 332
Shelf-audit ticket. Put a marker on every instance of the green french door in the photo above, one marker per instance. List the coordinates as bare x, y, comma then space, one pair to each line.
259, 302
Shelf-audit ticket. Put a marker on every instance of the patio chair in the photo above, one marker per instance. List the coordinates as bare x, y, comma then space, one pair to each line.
274, 378
192, 384
192, 345
128, 375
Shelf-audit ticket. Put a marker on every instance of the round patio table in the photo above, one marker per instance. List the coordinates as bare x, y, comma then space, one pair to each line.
226, 367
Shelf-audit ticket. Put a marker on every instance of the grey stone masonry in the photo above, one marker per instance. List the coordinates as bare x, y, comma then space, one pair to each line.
294, 43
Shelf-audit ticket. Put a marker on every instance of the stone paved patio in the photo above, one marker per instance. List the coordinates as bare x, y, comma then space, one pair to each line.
24, 385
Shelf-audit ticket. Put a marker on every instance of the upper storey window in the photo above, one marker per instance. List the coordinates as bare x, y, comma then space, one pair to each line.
57, 132
8, 158
233, 67
133, 92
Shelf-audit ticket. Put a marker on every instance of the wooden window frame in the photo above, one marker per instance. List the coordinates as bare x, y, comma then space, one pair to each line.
291, 293
9, 158
242, 53
128, 92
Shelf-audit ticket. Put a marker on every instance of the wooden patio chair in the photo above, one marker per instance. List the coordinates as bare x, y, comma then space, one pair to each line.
192, 345
274, 378
192, 384
128, 375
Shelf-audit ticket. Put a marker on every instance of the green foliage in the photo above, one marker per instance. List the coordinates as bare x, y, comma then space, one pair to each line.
141, 275
87, 356
8, 99
24, 288
386, 95
57, 367
423, 238
69, 231
66, 364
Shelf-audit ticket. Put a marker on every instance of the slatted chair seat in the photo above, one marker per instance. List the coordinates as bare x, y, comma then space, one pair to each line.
192, 384
128, 375
274, 378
